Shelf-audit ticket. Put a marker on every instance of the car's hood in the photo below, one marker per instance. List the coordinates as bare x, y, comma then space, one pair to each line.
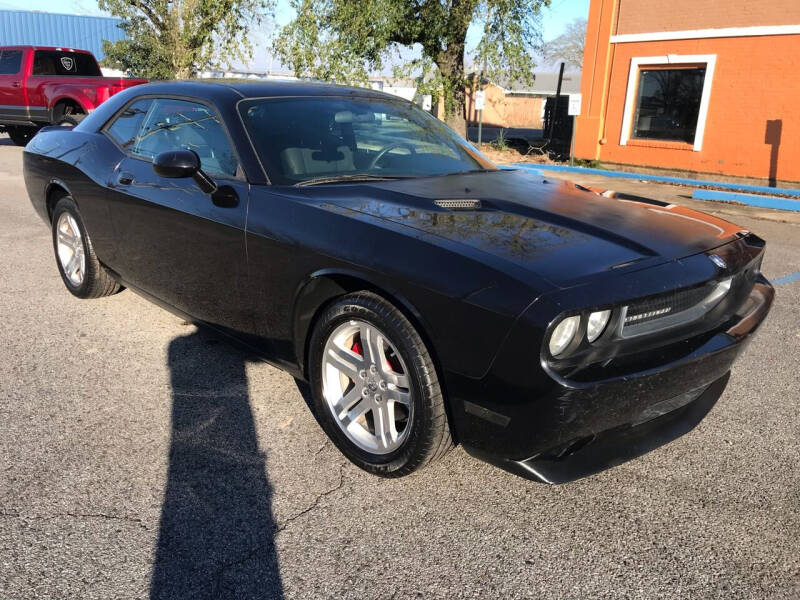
559, 231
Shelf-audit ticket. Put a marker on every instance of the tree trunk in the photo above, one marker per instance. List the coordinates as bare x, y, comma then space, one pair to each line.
451, 67
456, 118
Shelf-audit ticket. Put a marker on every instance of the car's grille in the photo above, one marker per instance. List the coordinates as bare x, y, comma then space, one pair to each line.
685, 305
669, 303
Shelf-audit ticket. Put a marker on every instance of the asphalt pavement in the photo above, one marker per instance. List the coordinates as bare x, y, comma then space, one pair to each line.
142, 458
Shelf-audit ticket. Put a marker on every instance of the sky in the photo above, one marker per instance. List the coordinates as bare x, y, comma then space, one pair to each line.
554, 18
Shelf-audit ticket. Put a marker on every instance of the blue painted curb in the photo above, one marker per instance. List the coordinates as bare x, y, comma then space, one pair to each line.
787, 279
749, 199
661, 178
515, 167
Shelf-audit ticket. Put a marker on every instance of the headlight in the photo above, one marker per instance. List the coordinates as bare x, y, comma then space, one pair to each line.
596, 324
563, 335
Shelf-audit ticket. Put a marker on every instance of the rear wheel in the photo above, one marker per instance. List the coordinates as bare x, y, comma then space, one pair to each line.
375, 387
69, 120
21, 134
77, 263
66, 116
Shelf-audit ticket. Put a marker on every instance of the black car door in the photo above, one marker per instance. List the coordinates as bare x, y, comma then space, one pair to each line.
179, 244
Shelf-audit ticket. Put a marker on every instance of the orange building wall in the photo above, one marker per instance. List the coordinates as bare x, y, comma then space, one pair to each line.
757, 80
646, 16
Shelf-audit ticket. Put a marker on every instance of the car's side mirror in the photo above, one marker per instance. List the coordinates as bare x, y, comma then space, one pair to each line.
177, 164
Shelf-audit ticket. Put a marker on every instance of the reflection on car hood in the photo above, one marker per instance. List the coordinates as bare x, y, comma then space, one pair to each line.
556, 229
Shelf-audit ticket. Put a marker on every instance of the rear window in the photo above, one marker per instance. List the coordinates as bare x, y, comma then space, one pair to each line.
10, 61
55, 62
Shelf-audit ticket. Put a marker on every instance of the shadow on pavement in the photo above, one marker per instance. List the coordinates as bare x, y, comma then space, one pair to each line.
216, 535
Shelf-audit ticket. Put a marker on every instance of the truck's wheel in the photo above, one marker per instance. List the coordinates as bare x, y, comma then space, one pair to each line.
69, 120
66, 115
20, 134
82, 273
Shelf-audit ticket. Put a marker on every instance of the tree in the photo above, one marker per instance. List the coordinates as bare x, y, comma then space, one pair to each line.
568, 47
168, 39
343, 40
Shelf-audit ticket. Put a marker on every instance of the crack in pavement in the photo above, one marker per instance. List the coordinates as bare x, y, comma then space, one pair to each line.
322, 447
70, 515
314, 504
280, 528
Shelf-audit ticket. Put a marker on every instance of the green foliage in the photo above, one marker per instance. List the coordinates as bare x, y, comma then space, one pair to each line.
500, 142
170, 39
343, 40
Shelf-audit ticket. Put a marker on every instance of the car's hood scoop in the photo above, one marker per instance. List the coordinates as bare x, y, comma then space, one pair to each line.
557, 230
459, 203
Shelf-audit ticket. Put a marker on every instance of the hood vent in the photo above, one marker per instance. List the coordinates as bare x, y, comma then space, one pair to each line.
459, 204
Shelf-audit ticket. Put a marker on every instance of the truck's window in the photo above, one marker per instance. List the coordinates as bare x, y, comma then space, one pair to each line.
177, 124
10, 61
127, 124
55, 62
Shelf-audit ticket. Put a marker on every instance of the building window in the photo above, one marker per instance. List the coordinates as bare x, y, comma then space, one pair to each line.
667, 99
668, 103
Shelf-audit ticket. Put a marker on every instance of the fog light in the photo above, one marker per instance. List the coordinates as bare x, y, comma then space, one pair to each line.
596, 324
563, 335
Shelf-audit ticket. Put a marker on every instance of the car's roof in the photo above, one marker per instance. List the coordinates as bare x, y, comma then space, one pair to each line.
258, 89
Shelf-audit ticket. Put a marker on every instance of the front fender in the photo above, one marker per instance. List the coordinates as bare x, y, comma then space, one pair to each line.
322, 286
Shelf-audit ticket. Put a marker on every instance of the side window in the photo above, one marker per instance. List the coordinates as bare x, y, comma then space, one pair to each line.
10, 61
55, 62
127, 124
179, 124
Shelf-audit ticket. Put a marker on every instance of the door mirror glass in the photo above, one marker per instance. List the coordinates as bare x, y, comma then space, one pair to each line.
175, 164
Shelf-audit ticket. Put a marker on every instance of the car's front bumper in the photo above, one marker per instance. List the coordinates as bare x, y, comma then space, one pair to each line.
566, 431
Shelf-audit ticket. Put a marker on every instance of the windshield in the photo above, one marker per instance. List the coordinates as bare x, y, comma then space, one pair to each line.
321, 137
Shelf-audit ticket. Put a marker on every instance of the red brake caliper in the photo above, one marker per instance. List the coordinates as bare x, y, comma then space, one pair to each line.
358, 349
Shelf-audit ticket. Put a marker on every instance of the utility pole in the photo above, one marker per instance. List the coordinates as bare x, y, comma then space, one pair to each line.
554, 112
483, 70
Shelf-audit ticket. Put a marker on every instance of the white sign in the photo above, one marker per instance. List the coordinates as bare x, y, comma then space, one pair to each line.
427, 102
480, 100
574, 105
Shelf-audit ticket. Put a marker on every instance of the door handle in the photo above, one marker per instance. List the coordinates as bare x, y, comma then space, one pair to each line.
16, 84
125, 179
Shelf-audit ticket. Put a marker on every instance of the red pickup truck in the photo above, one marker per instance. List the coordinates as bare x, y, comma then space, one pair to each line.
50, 86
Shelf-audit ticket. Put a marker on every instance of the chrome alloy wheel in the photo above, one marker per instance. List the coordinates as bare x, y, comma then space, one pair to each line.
69, 245
365, 385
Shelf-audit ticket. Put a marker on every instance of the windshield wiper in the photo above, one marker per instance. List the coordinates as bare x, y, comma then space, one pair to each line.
476, 171
352, 177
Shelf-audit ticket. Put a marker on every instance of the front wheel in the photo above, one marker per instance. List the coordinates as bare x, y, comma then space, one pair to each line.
77, 263
375, 387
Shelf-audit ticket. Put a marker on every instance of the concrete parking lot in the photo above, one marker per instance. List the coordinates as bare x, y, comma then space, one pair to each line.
142, 458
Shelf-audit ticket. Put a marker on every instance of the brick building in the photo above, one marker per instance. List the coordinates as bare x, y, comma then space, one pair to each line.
699, 86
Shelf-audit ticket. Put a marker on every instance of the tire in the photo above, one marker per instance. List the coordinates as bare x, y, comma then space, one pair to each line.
425, 435
95, 281
69, 120
20, 134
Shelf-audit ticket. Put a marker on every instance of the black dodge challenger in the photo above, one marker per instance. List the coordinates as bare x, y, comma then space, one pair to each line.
427, 296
